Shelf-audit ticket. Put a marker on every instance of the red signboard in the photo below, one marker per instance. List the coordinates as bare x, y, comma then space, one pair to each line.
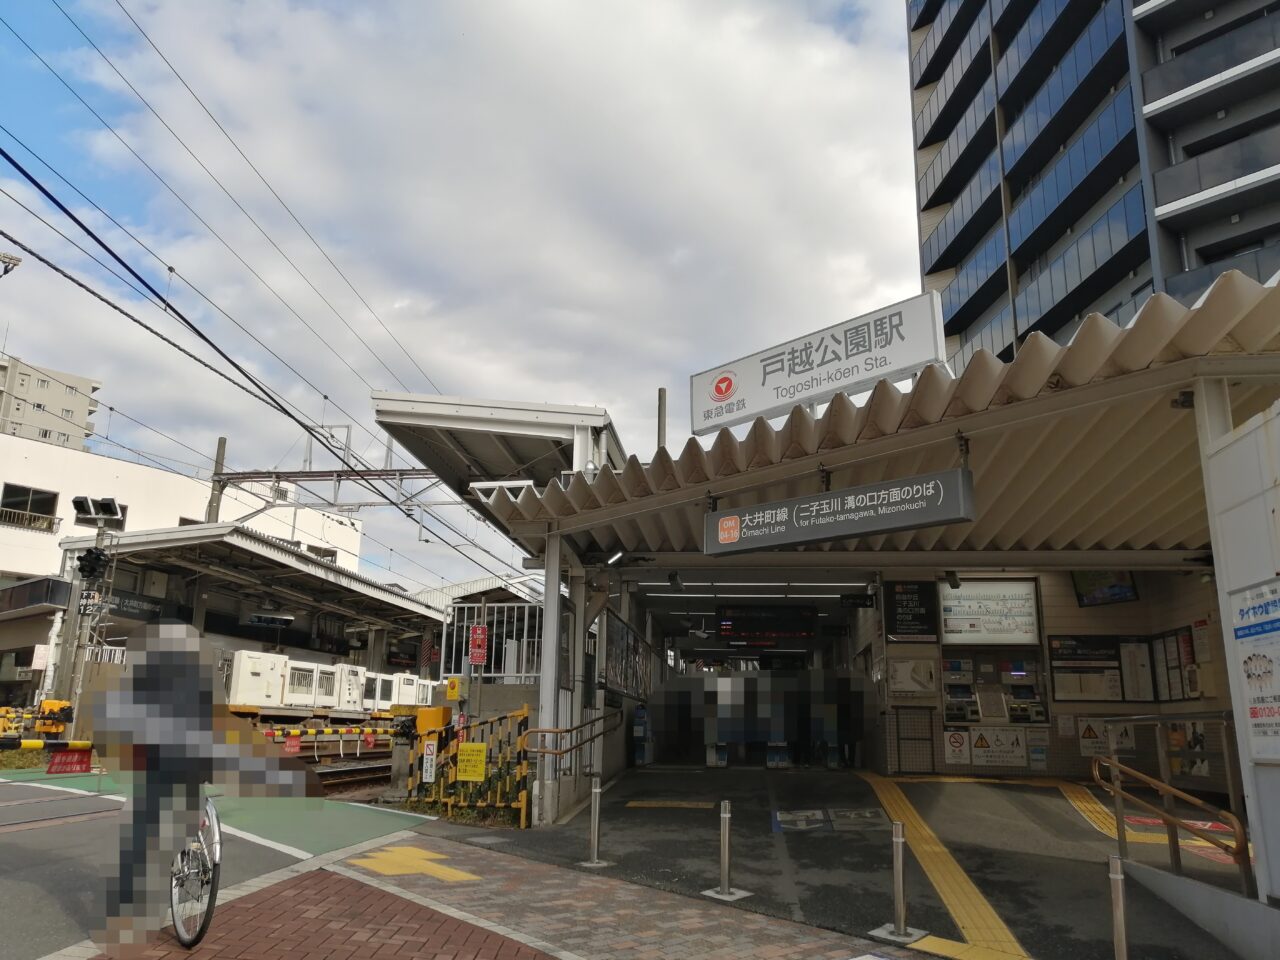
460, 727
70, 761
292, 744
479, 644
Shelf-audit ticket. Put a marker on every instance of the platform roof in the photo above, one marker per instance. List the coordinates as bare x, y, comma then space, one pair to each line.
465, 440
257, 564
1083, 455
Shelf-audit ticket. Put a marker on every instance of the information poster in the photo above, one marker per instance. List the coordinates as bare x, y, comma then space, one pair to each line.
998, 746
913, 677
990, 612
471, 762
911, 611
1200, 640
1255, 615
1135, 668
1092, 668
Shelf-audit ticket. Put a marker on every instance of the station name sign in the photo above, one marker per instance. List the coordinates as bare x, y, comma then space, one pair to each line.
895, 342
929, 500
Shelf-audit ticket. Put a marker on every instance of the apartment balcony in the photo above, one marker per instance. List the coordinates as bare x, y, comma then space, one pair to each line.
959, 82
1261, 265
964, 151
976, 285
1245, 172
24, 520
944, 36
1227, 70
1082, 78
1081, 174
1047, 33
1115, 244
975, 209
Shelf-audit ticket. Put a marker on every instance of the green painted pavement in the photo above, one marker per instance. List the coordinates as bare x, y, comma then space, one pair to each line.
313, 825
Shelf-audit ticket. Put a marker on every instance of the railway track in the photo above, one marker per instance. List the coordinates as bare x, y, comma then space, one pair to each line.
343, 776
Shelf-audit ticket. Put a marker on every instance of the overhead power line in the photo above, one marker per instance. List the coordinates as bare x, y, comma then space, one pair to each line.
274, 193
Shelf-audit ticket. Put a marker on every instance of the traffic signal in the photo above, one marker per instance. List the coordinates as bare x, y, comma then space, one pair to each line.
93, 563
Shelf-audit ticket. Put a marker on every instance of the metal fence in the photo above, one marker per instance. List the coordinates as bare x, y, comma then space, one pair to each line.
505, 784
514, 653
29, 521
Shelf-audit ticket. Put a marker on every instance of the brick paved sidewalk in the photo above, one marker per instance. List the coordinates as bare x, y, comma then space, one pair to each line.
577, 915
321, 915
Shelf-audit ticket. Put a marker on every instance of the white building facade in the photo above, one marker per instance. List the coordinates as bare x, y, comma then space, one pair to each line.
39, 403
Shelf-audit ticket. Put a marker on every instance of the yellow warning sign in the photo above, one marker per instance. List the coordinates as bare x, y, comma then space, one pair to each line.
1089, 733
471, 761
981, 742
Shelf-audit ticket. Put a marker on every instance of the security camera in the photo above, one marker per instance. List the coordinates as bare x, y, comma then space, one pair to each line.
953, 580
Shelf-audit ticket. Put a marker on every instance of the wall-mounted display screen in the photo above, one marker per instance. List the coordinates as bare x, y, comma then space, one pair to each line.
1096, 588
990, 612
765, 625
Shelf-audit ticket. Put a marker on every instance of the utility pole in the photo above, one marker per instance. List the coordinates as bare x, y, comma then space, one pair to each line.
216, 485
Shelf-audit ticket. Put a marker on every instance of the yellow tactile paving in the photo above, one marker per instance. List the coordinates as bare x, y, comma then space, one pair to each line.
962, 951
1104, 820
980, 925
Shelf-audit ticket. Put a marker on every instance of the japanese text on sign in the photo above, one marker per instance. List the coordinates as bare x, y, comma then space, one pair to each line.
848, 357
471, 761
69, 761
923, 501
1256, 616
479, 644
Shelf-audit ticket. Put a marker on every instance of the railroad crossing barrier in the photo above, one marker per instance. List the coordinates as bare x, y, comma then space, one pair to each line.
498, 777
16, 743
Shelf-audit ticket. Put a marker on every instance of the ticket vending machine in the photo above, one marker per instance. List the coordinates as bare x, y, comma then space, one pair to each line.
991, 688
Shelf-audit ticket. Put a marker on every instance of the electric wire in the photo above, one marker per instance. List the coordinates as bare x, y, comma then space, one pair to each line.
146, 103
190, 209
274, 193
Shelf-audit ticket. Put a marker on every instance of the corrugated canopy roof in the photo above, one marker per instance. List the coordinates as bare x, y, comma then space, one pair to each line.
1076, 451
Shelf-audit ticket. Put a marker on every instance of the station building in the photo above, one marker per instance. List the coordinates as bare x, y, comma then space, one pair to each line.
1077, 569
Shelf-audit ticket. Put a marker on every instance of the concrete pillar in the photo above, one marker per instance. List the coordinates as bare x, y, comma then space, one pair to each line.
549, 682
1240, 470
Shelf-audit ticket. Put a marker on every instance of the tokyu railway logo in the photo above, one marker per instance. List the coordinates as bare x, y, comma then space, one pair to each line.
724, 386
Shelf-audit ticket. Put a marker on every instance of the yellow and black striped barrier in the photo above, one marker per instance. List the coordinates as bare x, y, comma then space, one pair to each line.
53, 746
325, 731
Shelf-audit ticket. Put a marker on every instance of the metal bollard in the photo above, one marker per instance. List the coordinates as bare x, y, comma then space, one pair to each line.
725, 816
898, 931
899, 880
595, 819
1119, 934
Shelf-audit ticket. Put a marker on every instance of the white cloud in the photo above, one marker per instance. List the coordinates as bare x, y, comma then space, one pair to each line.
570, 201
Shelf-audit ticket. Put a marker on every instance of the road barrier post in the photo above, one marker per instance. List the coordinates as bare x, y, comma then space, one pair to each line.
593, 840
725, 891
1119, 934
898, 931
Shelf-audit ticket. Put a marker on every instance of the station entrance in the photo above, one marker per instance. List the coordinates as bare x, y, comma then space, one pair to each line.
1008, 576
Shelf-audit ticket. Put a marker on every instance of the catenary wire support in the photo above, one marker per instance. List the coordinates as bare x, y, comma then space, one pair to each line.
898, 931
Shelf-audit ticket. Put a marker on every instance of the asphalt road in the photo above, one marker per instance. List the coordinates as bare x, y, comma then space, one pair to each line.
52, 871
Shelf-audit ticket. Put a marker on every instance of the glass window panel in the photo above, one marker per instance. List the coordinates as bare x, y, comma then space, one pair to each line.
1135, 214
1071, 265
1058, 281
1116, 227
1084, 252
1091, 147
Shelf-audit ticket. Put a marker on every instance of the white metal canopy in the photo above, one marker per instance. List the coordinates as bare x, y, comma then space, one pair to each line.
1077, 451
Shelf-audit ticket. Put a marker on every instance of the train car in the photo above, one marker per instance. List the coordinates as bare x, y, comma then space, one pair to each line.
257, 679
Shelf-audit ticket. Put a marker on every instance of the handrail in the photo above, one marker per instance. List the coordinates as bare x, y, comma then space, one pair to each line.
1156, 718
1237, 851
539, 748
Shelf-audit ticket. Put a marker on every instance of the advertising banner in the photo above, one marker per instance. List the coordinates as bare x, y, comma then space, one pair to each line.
895, 342
1255, 617
923, 501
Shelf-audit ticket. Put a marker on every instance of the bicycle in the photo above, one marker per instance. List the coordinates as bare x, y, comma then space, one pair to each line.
193, 879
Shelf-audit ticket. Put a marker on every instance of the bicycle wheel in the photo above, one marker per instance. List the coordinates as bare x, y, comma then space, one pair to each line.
193, 883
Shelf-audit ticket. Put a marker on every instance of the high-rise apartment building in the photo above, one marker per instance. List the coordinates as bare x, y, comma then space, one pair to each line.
47, 405
1075, 156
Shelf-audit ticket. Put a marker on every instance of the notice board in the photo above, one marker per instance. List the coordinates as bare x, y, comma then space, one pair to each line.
1101, 668
911, 611
990, 612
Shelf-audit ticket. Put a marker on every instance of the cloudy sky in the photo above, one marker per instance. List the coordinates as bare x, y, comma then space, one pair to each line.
576, 201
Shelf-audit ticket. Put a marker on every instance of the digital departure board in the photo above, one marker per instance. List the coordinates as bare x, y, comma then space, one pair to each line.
765, 626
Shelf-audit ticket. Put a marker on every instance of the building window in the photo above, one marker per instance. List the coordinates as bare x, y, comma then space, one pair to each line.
46, 434
27, 507
63, 438
71, 391
37, 406
42, 383
68, 413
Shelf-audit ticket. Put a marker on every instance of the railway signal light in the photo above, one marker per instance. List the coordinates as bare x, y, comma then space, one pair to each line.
93, 563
